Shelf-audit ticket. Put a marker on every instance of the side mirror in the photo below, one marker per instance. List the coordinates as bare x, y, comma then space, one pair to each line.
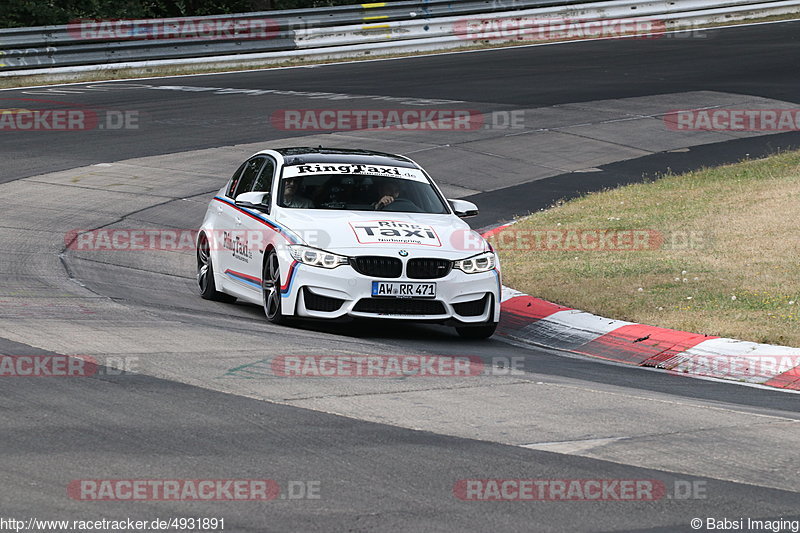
254, 200
463, 208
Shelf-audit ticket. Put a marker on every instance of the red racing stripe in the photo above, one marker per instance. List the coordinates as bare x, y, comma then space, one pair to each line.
252, 279
289, 275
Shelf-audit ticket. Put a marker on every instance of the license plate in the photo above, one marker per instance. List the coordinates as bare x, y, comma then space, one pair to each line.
400, 289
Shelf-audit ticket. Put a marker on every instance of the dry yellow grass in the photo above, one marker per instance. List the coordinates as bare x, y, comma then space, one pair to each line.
729, 264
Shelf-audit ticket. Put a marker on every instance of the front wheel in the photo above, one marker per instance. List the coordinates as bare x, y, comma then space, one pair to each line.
205, 274
477, 332
271, 289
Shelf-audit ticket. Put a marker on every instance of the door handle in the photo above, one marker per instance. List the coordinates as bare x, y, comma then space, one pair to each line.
238, 221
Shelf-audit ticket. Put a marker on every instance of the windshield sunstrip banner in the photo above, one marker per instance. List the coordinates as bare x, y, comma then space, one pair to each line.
311, 169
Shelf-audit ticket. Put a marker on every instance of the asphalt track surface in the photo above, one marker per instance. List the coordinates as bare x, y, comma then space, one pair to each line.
755, 60
385, 476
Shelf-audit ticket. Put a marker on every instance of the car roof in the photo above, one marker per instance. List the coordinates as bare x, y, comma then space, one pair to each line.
304, 155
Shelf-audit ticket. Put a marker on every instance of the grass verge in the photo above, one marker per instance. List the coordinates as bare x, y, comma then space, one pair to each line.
717, 251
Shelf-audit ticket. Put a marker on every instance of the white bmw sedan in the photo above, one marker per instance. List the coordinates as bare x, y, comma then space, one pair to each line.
333, 233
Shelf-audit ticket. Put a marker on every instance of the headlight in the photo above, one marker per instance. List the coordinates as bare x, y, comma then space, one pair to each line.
478, 263
316, 257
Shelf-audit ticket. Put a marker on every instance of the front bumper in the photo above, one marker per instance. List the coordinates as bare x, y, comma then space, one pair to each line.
335, 293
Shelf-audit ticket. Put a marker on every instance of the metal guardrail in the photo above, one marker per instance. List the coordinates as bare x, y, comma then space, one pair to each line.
356, 29
501, 27
51, 46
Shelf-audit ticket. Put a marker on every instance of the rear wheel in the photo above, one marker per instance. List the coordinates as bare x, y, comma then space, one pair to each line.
477, 332
271, 289
205, 273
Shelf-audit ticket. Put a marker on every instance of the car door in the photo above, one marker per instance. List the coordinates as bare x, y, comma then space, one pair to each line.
258, 228
236, 257
221, 224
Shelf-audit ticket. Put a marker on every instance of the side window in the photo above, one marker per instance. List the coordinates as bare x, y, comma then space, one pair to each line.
264, 181
249, 175
235, 180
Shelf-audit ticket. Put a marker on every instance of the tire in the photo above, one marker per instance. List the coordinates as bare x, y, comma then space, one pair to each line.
205, 274
477, 332
271, 289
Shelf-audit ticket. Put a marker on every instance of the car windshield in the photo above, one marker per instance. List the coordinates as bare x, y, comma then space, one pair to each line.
358, 192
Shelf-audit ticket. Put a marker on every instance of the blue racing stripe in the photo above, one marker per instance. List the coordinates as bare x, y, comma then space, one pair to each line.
238, 276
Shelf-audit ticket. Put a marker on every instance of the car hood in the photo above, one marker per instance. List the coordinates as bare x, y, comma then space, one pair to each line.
381, 233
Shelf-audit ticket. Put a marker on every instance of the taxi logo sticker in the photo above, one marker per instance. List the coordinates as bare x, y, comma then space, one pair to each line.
394, 232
